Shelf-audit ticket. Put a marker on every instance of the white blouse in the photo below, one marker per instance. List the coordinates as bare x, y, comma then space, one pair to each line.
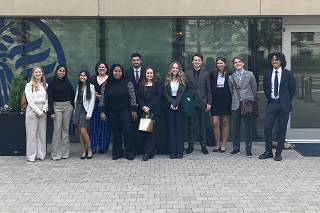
174, 88
220, 81
36, 97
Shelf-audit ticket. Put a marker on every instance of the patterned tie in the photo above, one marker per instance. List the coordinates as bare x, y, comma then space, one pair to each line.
239, 78
137, 76
276, 85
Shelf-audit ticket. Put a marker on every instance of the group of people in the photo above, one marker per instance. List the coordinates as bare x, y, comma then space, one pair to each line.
115, 99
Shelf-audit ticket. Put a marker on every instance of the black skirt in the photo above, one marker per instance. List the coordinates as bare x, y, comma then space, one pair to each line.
219, 104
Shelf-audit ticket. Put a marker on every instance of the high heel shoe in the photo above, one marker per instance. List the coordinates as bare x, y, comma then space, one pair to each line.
222, 150
216, 150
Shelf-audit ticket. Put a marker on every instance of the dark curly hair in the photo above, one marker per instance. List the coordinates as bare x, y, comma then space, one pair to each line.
280, 56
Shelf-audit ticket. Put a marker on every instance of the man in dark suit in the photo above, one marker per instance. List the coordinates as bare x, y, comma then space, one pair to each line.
135, 74
200, 89
279, 88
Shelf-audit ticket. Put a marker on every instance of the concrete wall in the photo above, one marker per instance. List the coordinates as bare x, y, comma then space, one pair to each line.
157, 8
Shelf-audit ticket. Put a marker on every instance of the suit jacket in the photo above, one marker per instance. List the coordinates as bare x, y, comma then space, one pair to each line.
168, 95
227, 93
88, 104
287, 88
200, 90
247, 88
155, 94
130, 75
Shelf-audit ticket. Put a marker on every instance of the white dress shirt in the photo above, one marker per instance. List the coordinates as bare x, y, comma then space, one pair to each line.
272, 82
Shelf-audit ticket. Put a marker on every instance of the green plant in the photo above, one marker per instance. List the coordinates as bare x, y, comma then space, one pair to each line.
17, 86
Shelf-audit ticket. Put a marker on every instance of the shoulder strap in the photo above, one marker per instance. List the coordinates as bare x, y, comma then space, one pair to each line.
236, 86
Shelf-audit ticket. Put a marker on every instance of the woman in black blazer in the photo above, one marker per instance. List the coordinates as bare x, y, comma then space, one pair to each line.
175, 86
148, 97
221, 102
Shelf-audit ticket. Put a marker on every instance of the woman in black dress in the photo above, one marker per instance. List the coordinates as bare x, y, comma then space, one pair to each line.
149, 96
221, 103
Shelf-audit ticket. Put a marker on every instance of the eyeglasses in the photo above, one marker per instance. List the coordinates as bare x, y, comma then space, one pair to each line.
221, 58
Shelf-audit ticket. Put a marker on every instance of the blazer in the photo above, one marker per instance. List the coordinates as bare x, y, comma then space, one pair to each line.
168, 95
247, 88
155, 94
200, 90
287, 88
88, 104
227, 93
130, 75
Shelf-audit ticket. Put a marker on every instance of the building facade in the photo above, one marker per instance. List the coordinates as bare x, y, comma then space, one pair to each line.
81, 32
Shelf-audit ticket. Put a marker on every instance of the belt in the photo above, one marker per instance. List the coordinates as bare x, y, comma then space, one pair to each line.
276, 100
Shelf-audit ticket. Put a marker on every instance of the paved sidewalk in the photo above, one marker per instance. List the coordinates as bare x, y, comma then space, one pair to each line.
197, 183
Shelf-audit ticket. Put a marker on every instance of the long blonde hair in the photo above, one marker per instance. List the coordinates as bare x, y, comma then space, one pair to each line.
181, 77
34, 84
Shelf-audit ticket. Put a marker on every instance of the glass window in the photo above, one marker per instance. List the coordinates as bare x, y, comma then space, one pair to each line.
213, 38
151, 38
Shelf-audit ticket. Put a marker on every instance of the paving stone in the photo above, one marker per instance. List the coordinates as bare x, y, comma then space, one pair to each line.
197, 183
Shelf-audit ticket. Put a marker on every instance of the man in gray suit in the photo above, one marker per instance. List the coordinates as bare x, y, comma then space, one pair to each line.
246, 83
199, 87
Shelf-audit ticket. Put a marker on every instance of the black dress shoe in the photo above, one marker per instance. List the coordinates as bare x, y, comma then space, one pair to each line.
179, 156
83, 157
89, 157
266, 155
117, 157
145, 157
102, 152
151, 156
278, 157
204, 150
190, 150
173, 156
129, 158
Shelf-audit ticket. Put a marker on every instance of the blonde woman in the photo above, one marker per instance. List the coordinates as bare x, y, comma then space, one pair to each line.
174, 88
36, 118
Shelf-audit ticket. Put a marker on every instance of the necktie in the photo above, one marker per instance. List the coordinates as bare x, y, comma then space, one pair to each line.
239, 77
137, 76
276, 85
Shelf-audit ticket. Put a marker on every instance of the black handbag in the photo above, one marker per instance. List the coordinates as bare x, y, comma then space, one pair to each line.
249, 108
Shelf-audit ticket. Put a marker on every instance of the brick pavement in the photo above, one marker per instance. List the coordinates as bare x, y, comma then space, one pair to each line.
197, 183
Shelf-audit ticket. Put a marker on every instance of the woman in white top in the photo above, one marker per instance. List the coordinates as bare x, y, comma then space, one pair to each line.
84, 103
36, 118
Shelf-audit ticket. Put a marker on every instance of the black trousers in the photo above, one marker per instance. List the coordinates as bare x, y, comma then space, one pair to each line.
121, 125
192, 122
274, 111
176, 129
149, 138
248, 128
